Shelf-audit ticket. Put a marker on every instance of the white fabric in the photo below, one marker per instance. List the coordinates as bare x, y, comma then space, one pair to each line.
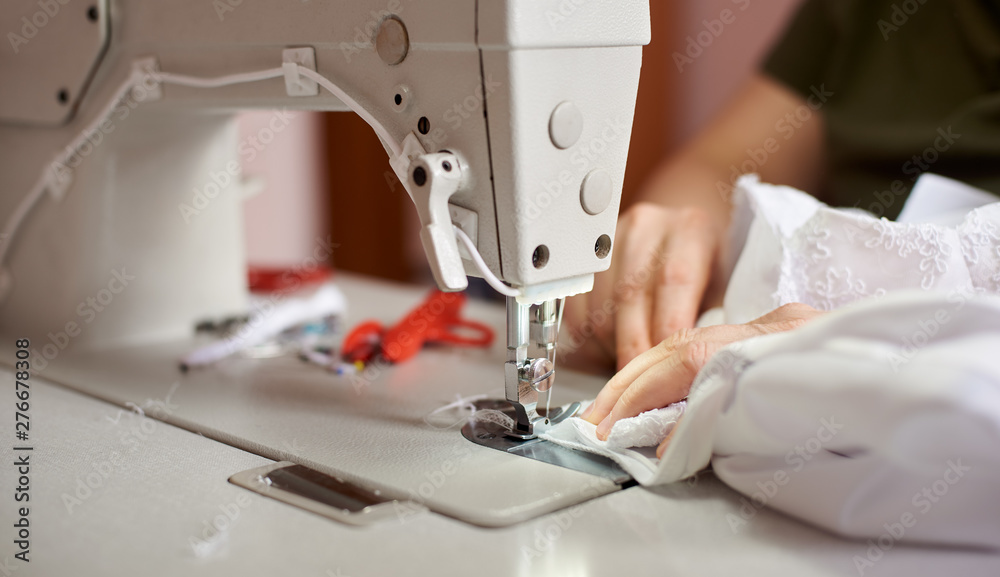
647, 429
939, 200
882, 419
578, 434
877, 416
631, 442
797, 249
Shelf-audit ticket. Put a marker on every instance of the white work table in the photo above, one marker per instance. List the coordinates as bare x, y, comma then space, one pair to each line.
115, 493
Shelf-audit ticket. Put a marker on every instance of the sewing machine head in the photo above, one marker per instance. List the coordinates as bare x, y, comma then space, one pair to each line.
559, 81
508, 119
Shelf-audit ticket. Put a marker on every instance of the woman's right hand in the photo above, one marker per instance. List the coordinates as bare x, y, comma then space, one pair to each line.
660, 270
666, 250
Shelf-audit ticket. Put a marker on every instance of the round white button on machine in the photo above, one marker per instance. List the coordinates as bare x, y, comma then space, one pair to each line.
596, 191
566, 125
392, 42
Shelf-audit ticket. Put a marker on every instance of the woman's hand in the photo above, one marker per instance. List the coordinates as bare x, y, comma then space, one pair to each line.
660, 270
666, 247
663, 374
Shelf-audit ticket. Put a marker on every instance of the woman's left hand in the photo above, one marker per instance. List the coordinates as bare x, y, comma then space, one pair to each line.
663, 374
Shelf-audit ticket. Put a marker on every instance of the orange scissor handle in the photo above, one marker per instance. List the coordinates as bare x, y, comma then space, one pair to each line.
363, 342
474, 335
432, 321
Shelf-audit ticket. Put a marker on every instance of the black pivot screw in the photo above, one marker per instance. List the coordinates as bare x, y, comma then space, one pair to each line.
540, 257
419, 176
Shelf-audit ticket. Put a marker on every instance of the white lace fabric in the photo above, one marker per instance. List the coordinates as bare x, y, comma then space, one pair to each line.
647, 429
797, 249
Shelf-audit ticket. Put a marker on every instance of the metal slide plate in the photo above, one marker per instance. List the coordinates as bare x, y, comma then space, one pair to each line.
322, 494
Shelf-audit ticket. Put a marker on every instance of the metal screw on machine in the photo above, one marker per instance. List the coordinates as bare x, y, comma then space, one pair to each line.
602, 248
539, 373
402, 98
540, 257
419, 176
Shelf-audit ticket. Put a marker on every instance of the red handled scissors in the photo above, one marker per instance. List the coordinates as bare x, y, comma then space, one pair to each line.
436, 320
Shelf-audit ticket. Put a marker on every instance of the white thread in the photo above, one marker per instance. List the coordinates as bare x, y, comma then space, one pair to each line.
488, 275
561, 304
464, 407
493, 416
396, 148
46, 183
220, 81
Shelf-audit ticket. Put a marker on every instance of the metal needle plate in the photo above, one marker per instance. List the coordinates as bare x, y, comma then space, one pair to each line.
494, 436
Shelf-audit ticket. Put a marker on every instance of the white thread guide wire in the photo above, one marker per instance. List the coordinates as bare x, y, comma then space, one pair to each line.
55, 176
52, 179
490, 278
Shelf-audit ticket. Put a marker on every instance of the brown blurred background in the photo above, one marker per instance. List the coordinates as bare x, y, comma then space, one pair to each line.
327, 173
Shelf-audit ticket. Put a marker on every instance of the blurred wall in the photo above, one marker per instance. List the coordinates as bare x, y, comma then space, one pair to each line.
283, 157
728, 54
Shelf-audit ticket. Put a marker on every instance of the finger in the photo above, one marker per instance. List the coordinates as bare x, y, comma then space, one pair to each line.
719, 336
613, 390
682, 279
666, 442
790, 312
664, 383
633, 295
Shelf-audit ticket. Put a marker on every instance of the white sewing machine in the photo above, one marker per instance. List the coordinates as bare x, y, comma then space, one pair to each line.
122, 143
110, 141
122, 198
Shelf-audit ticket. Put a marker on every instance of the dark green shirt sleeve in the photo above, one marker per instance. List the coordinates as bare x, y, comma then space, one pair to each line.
910, 87
803, 55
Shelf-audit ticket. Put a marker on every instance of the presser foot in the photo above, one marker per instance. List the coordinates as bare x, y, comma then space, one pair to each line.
555, 416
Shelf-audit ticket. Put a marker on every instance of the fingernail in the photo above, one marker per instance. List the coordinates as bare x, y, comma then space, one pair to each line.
586, 412
604, 428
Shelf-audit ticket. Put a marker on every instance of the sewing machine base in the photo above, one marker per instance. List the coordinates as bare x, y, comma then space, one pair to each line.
367, 429
496, 436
